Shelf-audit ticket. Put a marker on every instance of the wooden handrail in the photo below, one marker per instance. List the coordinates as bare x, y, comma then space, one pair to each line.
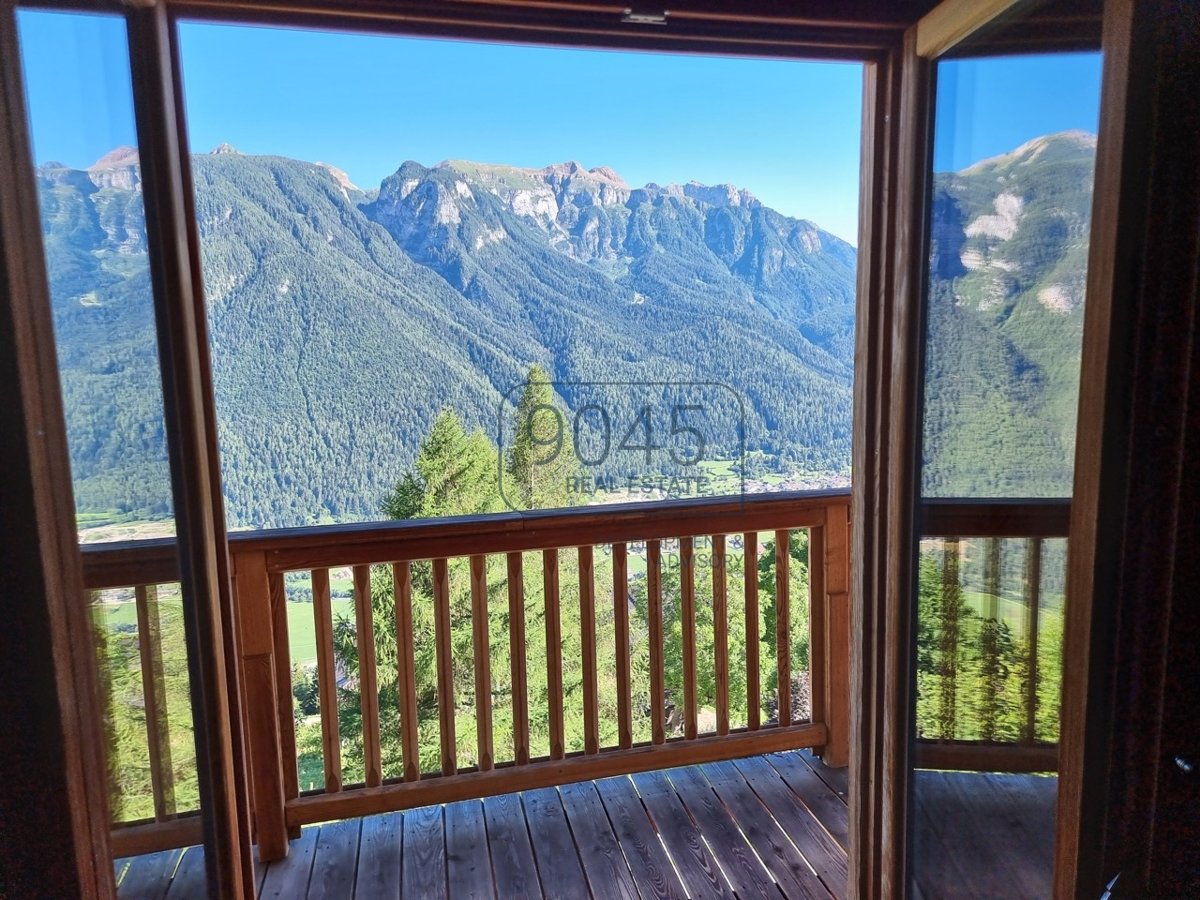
120, 564
995, 518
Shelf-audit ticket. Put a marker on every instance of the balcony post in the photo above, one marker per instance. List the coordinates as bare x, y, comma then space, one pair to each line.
256, 641
837, 634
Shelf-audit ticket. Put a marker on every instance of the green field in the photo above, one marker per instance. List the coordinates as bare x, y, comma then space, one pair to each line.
301, 624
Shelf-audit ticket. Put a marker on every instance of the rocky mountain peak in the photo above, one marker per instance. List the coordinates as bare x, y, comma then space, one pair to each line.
719, 194
118, 168
1069, 143
338, 175
225, 149
116, 158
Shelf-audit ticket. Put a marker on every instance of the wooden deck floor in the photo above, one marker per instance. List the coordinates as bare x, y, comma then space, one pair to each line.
982, 835
767, 826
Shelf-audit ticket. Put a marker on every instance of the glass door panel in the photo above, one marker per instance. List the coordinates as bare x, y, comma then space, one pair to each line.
1014, 149
88, 178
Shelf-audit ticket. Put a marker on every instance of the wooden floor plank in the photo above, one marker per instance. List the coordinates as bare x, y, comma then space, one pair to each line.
733, 854
837, 779
468, 866
791, 870
688, 832
513, 865
701, 875
559, 870
937, 870
603, 862
288, 877
335, 860
379, 857
979, 835
1032, 800
797, 820
149, 876
423, 870
648, 861
189, 880
825, 804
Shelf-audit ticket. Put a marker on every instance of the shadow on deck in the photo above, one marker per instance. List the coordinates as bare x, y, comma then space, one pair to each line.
756, 826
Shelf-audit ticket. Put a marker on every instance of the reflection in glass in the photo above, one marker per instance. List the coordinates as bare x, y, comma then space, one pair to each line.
1011, 205
1007, 272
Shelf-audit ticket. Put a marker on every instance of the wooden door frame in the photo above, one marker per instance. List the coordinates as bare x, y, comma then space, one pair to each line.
893, 223
190, 425
898, 91
63, 791
1123, 806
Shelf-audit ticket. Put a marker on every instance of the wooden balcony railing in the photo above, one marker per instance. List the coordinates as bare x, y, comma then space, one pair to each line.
994, 605
396, 568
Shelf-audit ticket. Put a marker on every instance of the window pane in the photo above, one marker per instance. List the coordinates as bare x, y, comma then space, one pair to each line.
1012, 199
652, 249
94, 232
76, 70
1014, 156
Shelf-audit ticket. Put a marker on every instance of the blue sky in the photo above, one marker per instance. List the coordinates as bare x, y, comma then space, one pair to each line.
986, 107
786, 130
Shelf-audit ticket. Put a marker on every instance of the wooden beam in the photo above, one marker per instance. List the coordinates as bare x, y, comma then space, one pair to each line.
1129, 693
256, 640
750, 590
139, 838
357, 544
554, 668
445, 666
985, 757
655, 626
776, 31
331, 739
687, 626
516, 650
1101, 449
783, 625
897, 133
128, 563
587, 643
406, 671
836, 565
368, 675
953, 21
482, 645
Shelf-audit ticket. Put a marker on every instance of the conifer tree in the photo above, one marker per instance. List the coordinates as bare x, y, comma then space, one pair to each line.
541, 462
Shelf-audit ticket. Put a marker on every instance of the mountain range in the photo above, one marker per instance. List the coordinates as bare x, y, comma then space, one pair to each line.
342, 320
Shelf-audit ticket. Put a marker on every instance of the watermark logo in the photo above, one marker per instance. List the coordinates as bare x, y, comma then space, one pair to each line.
576, 443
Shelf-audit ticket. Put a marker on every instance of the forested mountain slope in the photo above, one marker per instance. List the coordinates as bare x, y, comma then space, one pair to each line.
342, 320
1009, 266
